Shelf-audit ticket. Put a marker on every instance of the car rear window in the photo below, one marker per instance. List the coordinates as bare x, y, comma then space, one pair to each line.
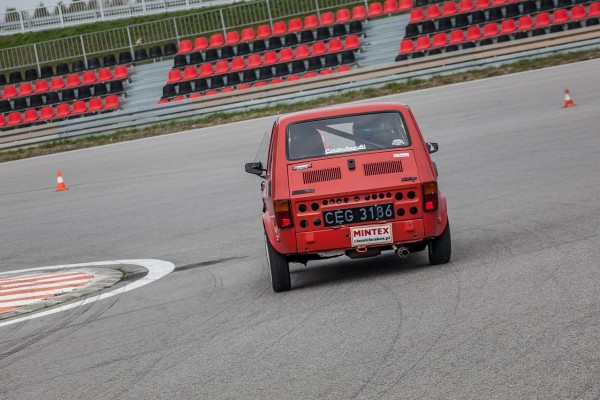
346, 134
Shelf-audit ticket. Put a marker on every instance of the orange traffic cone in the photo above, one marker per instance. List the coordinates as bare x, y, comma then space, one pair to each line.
568, 100
60, 184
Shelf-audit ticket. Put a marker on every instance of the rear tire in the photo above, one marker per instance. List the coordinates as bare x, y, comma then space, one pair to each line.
440, 248
279, 268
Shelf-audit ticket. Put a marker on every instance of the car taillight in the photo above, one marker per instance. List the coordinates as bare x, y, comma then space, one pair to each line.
283, 215
430, 196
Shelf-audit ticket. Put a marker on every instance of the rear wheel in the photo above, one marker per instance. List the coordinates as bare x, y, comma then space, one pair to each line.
279, 267
440, 248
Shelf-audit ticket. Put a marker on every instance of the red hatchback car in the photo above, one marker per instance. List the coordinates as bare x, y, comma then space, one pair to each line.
353, 180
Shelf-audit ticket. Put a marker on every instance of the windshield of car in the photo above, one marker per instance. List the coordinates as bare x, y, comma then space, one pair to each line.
346, 134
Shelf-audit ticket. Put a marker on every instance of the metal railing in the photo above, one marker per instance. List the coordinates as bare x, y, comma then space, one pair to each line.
60, 14
222, 20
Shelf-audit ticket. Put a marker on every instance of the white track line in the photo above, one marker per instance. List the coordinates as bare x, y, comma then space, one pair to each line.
156, 270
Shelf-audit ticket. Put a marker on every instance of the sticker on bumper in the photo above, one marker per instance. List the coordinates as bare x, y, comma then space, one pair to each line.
368, 235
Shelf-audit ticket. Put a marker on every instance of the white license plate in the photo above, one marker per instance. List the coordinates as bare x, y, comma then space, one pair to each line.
369, 235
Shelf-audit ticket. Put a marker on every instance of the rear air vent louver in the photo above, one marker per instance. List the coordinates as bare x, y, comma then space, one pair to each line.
383, 167
322, 175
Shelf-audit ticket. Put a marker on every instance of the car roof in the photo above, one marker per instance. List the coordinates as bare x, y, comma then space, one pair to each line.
335, 111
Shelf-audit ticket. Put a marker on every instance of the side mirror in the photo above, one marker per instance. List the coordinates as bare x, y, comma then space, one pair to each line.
255, 168
432, 147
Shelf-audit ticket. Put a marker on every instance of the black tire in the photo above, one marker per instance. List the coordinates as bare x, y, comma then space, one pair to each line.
440, 248
279, 267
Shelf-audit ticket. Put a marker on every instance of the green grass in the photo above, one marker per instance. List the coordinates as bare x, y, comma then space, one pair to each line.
223, 118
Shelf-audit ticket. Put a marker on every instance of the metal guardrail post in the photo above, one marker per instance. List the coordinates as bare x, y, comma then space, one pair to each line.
270, 15
318, 10
21, 21
144, 6
60, 15
130, 41
176, 31
223, 22
367, 5
101, 7
83, 49
187, 4
37, 59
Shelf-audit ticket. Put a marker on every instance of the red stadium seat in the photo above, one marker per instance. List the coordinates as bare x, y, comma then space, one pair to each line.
375, 9
238, 64
342, 16
311, 22
498, 3
112, 102
525, 22
121, 72
359, 12
423, 43
311, 74
405, 5
577, 12
2, 121
416, 15
295, 25
88, 77
279, 28
407, 46
259, 84
185, 46
25, 89
481, 4
326, 71
302, 51
41, 86
335, 45
473, 33
232, 37
206, 70
490, 30
270, 58
55, 84
30, 116
194, 95
263, 31
73, 80
211, 92
178, 98
174, 76
292, 78
227, 89
595, 9
440, 40
352, 42
465, 6
433, 11
344, 68
14, 118
286, 54
560, 16
542, 20
200, 43
457, 36
63, 110
216, 40
254, 61
327, 18
248, 34
10, 91
318, 49
104, 74
276, 81
222, 67
46, 113
95, 104
79, 107
449, 8
244, 86
189, 72
390, 6
508, 26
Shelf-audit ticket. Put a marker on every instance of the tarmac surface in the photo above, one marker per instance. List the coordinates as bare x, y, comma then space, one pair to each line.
516, 314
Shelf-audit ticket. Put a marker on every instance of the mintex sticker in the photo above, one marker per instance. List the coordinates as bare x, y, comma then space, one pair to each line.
401, 155
367, 235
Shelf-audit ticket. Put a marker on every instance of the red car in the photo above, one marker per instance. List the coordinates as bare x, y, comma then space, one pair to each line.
353, 180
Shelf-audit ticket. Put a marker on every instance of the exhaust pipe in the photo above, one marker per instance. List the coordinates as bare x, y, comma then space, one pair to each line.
402, 252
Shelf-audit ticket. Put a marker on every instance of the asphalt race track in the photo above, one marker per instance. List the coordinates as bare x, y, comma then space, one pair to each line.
515, 315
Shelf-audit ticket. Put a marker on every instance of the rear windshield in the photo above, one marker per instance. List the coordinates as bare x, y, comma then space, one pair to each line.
346, 134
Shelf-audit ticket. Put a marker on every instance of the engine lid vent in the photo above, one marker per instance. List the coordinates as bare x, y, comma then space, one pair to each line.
322, 175
383, 167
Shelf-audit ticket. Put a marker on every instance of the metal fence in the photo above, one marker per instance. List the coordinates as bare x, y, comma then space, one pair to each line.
234, 17
60, 14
